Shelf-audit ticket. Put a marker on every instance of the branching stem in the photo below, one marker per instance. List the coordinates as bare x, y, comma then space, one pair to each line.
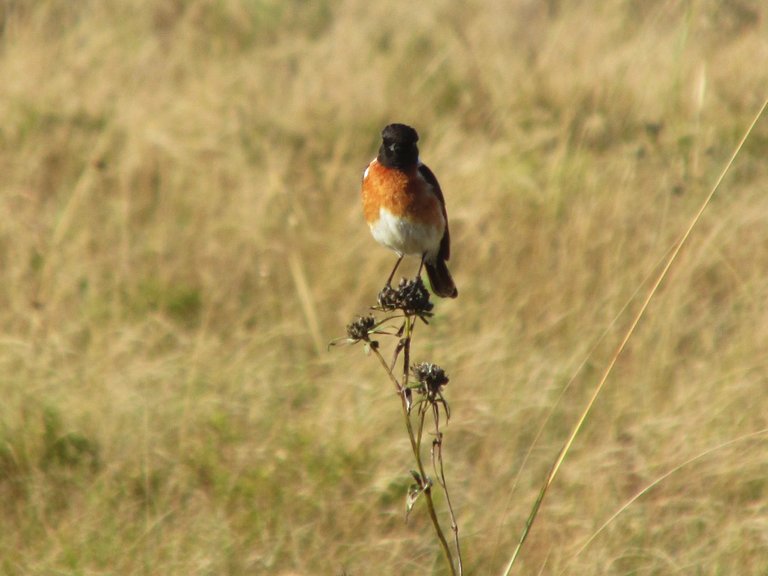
408, 303
404, 347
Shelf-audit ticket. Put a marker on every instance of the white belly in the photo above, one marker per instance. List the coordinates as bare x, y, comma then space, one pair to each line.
406, 237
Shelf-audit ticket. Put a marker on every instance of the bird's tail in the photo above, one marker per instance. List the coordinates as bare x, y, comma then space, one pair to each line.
441, 279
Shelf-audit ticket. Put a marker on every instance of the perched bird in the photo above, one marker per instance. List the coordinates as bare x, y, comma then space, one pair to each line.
405, 209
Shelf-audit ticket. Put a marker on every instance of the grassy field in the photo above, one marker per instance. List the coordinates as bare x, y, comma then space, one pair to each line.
181, 236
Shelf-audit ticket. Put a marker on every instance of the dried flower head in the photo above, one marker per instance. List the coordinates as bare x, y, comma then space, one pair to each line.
431, 379
429, 375
410, 296
361, 328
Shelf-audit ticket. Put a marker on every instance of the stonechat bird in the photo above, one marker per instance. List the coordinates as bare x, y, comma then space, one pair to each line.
405, 209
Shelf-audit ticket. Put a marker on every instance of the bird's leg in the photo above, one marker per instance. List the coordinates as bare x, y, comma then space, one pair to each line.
423, 256
389, 280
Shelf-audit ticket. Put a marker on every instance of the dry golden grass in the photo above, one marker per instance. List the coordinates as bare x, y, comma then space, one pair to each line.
181, 236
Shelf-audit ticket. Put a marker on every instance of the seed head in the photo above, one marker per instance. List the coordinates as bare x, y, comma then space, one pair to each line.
431, 376
410, 296
360, 328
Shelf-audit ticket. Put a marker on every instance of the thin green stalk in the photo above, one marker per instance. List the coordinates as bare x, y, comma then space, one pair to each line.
438, 446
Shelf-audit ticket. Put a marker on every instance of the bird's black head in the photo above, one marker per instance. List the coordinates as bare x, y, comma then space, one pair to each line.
398, 146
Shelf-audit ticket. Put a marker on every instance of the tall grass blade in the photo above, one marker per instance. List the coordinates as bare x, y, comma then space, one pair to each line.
609, 368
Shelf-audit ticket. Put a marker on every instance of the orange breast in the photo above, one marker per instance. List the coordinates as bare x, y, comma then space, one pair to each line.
403, 193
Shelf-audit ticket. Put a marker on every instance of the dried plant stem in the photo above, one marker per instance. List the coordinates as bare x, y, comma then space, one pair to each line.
408, 303
404, 346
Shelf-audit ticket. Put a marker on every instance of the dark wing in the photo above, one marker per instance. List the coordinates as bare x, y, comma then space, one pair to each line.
445, 243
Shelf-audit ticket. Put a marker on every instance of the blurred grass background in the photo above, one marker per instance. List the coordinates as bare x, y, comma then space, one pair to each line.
181, 235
